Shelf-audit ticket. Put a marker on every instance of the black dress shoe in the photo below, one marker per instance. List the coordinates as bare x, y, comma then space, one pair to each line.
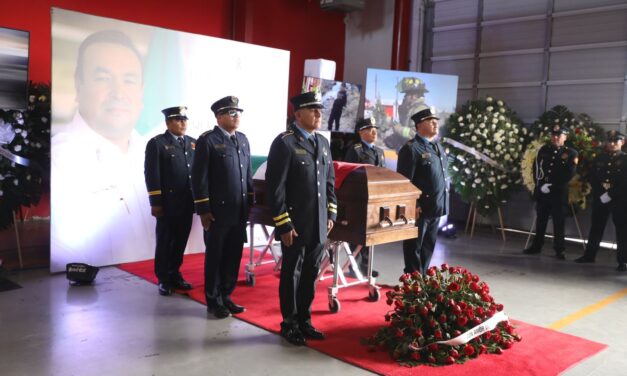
234, 308
219, 311
164, 289
293, 336
310, 332
584, 260
560, 255
621, 268
182, 284
531, 251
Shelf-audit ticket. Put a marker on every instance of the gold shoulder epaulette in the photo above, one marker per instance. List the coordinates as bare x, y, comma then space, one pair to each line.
357, 146
207, 132
287, 133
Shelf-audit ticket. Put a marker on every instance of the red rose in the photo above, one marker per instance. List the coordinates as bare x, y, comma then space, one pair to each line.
454, 287
498, 351
399, 333
444, 267
429, 305
439, 298
418, 332
389, 301
416, 275
506, 344
499, 307
442, 319
431, 359
438, 334
483, 349
415, 355
462, 321
479, 311
456, 333
424, 311
487, 335
435, 285
449, 360
431, 272
470, 313
411, 309
433, 323
454, 353
475, 287
462, 305
387, 317
433, 347
469, 350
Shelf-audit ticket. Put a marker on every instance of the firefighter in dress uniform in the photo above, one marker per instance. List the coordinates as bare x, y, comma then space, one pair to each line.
300, 185
423, 161
609, 189
223, 194
167, 171
553, 168
366, 152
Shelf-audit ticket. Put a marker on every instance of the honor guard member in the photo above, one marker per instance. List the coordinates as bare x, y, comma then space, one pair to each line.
167, 170
223, 193
423, 161
553, 168
300, 183
365, 152
609, 189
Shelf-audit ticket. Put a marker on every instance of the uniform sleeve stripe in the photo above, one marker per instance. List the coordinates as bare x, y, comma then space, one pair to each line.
332, 205
152, 193
201, 200
283, 222
333, 210
278, 218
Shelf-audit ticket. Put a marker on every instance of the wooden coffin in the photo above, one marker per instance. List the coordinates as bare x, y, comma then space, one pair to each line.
375, 206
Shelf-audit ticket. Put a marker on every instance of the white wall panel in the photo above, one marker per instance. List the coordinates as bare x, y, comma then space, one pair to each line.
498, 9
588, 63
455, 12
602, 102
511, 68
513, 36
590, 28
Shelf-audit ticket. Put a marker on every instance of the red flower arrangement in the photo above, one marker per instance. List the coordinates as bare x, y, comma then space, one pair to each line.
446, 317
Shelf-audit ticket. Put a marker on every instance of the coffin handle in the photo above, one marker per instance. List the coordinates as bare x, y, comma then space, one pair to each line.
386, 222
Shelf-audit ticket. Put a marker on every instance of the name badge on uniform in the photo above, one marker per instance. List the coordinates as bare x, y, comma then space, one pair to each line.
425, 155
168, 147
220, 146
300, 151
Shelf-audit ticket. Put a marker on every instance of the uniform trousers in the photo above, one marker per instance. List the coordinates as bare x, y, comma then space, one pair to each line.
172, 233
600, 214
223, 255
418, 251
550, 205
297, 286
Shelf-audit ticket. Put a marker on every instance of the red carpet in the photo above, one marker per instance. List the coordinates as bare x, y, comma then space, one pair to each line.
541, 352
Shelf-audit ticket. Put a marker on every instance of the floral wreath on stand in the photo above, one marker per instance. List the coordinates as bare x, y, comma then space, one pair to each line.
24, 153
585, 137
488, 142
446, 317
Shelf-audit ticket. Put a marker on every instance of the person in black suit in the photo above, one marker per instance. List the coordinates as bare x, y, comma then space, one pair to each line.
167, 171
366, 152
338, 107
609, 189
423, 161
222, 185
553, 168
300, 185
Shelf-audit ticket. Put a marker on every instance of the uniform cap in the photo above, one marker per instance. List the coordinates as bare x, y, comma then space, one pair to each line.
309, 99
179, 112
558, 130
423, 115
365, 124
225, 104
614, 135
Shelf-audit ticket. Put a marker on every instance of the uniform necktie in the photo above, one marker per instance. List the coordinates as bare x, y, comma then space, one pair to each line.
312, 140
234, 139
181, 141
435, 148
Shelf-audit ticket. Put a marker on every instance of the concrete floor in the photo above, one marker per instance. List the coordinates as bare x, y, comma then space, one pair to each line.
121, 326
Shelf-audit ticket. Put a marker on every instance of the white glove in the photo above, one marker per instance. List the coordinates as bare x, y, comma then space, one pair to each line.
545, 188
605, 198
